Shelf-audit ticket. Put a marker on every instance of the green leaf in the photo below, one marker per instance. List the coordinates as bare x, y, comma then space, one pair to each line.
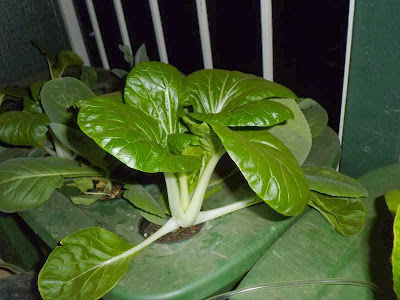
66, 59
396, 254
89, 77
120, 73
128, 56
295, 134
157, 89
212, 90
23, 128
153, 218
139, 197
177, 142
84, 199
132, 137
83, 184
36, 87
116, 96
141, 55
87, 265
328, 181
32, 106
80, 143
346, 215
315, 114
14, 91
325, 150
59, 95
10, 153
28, 182
260, 113
392, 199
268, 166
2, 98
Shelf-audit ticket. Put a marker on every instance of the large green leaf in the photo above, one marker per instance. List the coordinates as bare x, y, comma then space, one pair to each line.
268, 166
396, 254
81, 144
212, 90
328, 181
87, 265
346, 215
157, 89
28, 182
295, 134
23, 128
59, 95
260, 113
139, 197
132, 137
316, 116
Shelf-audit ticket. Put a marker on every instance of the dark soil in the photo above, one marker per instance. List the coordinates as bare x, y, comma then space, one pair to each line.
146, 229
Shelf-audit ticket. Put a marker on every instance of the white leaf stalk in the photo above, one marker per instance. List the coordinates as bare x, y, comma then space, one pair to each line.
186, 208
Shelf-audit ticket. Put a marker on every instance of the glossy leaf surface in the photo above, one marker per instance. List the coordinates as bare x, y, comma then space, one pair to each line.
59, 95
156, 89
23, 128
212, 90
28, 182
81, 144
328, 181
316, 116
268, 166
32, 106
132, 137
87, 265
139, 197
262, 113
295, 134
346, 215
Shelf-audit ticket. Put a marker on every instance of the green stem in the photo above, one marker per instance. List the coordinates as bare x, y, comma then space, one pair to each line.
198, 196
184, 191
171, 225
208, 215
173, 196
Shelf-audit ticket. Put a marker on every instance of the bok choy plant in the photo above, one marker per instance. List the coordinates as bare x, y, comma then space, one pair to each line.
181, 127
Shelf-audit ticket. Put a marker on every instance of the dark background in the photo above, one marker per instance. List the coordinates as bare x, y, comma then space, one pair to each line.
309, 40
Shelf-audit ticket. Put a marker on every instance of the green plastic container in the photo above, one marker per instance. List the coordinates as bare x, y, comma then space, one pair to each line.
212, 260
311, 249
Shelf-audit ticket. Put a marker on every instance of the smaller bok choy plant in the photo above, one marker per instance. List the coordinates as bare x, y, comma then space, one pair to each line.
181, 127
46, 148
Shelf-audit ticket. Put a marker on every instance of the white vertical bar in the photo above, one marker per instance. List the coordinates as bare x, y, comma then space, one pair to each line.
204, 33
96, 29
155, 15
119, 11
350, 24
267, 39
73, 29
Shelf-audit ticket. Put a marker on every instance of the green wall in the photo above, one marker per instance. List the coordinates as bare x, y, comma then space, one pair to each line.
372, 122
20, 22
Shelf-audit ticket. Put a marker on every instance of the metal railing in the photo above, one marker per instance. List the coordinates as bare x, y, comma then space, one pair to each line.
78, 45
